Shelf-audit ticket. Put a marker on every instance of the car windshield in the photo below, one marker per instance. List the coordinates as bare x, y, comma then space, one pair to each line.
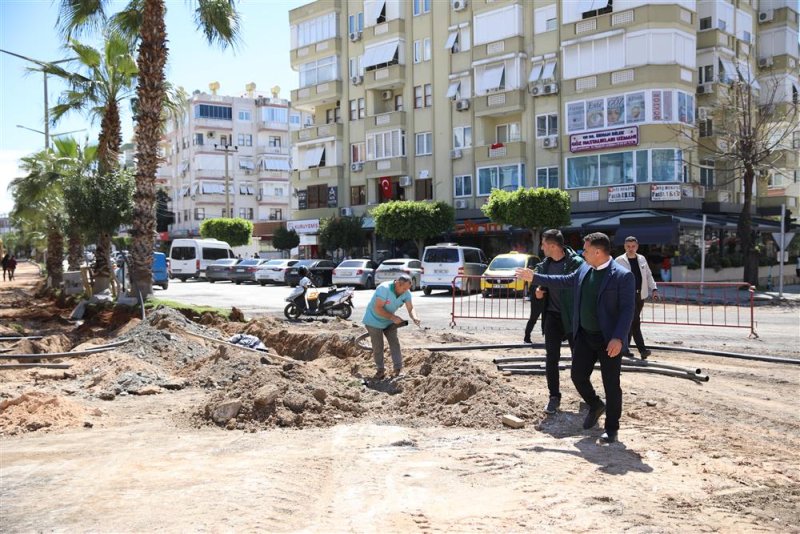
307, 263
507, 263
229, 261
441, 255
389, 263
353, 263
250, 262
275, 262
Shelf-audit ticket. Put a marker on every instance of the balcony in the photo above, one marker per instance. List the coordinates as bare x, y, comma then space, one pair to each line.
213, 124
395, 27
396, 120
391, 77
498, 104
514, 151
315, 95
386, 167
276, 150
327, 174
712, 38
322, 131
497, 48
273, 125
306, 54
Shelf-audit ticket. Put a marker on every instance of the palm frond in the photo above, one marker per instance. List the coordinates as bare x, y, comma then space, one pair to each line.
219, 21
76, 17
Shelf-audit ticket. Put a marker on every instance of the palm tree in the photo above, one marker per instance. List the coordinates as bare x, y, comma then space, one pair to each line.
218, 20
102, 80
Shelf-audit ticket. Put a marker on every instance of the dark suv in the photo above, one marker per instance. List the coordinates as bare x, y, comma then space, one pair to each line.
320, 272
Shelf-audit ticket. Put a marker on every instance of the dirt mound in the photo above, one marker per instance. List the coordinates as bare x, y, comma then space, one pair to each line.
301, 346
36, 410
109, 374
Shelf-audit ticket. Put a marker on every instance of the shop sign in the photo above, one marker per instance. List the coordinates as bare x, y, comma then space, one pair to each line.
302, 200
333, 197
661, 193
618, 137
622, 193
470, 227
307, 226
591, 195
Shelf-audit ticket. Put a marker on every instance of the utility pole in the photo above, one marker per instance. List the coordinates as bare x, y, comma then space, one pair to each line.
227, 149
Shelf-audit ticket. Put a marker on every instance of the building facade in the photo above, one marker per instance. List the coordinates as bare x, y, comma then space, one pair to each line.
243, 141
446, 100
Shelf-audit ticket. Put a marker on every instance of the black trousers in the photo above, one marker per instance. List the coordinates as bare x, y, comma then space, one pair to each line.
589, 349
554, 334
636, 325
537, 306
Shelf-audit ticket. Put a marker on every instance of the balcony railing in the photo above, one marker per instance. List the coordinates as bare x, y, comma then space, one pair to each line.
277, 150
327, 92
512, 101
500, 151
318, 132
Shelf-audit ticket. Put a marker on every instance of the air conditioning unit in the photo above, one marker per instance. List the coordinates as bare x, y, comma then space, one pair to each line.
345, 212
703, 113
459, 5
461, 203
355, 36
550, 142
210, 135
455, 154
535, 90
356, 167
357, 80
705, 89
405, 181
550, 88
259, 197
764, 62
386, 95
766, 16
462, 105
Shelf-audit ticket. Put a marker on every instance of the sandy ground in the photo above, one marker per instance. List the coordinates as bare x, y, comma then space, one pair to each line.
433, 456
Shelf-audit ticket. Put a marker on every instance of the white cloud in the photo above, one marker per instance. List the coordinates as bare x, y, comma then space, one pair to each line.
8, 171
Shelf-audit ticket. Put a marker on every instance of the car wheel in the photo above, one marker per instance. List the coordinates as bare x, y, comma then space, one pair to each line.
414, 284
426, 290
317, 280
370, 284
210, 281
263, 283
165, 285
238, 282
183, 278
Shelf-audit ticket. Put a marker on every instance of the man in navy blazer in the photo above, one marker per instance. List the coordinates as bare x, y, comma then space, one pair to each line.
604, 300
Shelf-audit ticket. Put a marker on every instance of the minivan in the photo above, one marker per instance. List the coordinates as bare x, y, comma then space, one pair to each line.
190, 257
443, 262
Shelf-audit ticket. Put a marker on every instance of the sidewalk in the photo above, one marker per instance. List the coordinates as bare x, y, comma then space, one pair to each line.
727, 295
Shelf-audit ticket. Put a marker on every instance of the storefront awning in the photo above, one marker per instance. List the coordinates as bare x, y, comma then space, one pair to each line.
657, 234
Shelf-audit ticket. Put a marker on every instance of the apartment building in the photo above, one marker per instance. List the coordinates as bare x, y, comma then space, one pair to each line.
243, 141
446, 100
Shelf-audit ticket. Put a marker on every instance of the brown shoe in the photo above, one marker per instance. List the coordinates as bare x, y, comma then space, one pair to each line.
380, 375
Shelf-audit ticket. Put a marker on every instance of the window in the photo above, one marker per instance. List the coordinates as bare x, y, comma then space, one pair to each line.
423, 189
246, 213
278, 191
382, 55
547, 125
320, 71
452, 42
315, 30
685, 108
354, 66
273, 114
357, 153
458, 40
358, 195
353, 110
705, 23
662, 105
428, 95
198, 139
705, 74
275, 214
244, 115
246, 188
207, 111
224, 140
707, 175
382, 145
274, 141
418, 102
462, 186
505, 177
666, 165
317, 196
544, 19
498, 24
362, 108
245, 140
424, 143
333, 115
355, 23
421, 7
398, 102
706, 128
508, 133
426, 49
417, 51
547, 177
199, 214
462, 137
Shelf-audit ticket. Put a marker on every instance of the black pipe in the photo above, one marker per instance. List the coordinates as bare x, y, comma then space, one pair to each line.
19, 338
35, 366
737, 355
523, 364
45, 355
633, 369
449, 348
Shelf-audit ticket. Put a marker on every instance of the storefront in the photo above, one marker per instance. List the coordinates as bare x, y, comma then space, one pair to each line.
308, 231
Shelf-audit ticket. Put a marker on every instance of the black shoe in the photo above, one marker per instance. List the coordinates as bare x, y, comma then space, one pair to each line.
609, 436
626, 354
527, 340
645, 353
593, 415
552, 405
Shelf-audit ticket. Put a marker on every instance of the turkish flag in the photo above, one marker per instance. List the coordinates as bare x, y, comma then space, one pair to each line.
386, 188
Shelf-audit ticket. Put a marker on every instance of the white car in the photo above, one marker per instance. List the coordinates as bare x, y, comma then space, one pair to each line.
390, 269
355, 273
274, 271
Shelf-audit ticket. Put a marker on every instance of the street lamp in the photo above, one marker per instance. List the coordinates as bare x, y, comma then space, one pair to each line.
41, 64
227, 149
49, 134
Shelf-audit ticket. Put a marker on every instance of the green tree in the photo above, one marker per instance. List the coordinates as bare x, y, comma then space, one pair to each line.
218, 21
346, 233
235, 232
534, 209
283, 239
415, 220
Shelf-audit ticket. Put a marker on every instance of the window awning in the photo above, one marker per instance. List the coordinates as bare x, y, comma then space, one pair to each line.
746, 74
727, 67
275, 164
451, 40
493, 77
247, 164
379, 55
380, 5
536, 72
659, 234
549, 70
452, 90
314, 156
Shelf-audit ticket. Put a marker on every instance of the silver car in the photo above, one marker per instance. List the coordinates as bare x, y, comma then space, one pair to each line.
355, 273
389, 270
274, 272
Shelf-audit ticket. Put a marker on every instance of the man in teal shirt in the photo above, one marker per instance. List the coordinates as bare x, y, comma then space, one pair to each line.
380, 320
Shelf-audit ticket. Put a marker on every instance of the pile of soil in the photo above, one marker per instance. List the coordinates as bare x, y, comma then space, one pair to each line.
35, 410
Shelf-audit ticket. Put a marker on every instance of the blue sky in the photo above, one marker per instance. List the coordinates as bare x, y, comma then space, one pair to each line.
27, 28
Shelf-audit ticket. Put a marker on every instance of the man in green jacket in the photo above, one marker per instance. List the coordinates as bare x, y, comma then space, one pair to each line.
558, 308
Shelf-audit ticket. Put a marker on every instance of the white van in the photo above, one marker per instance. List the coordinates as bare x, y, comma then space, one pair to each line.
441, 263
190, 257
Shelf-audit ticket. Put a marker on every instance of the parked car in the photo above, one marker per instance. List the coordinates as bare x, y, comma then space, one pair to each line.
355, 273
274, 272
245, 270
160, 270
442, 263
220, 270
320, 272
500, 277
388, 271
191, 257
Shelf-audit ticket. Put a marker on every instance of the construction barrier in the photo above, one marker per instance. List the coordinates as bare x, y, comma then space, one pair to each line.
681, 303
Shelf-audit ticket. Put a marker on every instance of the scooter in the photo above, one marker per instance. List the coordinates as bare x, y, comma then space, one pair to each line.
337, 302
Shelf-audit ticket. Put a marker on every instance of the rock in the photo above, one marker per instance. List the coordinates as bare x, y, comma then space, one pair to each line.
462, 390
106, 396
225, 411
296, 402
288, 366
87, 424
651, 403
513, 421
149, 390
267, 396
320, 394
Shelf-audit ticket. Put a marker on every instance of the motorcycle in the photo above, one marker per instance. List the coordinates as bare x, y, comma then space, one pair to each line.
337, 302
